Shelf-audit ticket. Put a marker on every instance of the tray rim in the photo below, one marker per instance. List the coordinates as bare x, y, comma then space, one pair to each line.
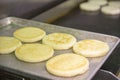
10, 19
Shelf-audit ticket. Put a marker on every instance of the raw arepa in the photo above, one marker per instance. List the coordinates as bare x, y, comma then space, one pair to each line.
67, 65
110, 10
87, 6
91, 48
59, 41
8, 44
29, 34
34, 52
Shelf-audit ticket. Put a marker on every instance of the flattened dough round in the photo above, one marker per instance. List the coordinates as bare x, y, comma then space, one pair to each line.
114, 3
67, 65
29, 34
91, 48
89, 6
110, 10
59, 41
8, 44
34, 52
98, 2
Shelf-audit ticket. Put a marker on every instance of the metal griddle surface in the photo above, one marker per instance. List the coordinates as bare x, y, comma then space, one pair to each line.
91, 21
37, 70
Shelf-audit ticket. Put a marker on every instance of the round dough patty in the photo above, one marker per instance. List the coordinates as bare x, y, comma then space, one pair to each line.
110, 10
91, 48
59, 41
89, 6
114, 3
8, 44
67, 65
98, 2
34, 52
29, 34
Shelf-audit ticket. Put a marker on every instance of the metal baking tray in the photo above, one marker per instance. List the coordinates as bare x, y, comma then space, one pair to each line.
37, 70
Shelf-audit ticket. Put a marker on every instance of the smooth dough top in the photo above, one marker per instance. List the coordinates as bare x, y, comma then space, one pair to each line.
98, 2
8, 44
91, 48
34, 52
59, 41
110, 10
29, 34
67, 65
114, 3
89, 6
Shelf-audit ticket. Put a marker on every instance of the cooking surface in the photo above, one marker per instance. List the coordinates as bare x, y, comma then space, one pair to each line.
10, 63
96, 22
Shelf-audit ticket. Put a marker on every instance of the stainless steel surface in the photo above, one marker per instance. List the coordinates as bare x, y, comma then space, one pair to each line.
58, 11
37, 70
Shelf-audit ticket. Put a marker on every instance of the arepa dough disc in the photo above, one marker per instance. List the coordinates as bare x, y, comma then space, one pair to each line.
8, 44
98, 2
67, 65
89, 6
114, 3
91, 48
59, 41
34, 52
110, 10
29, 34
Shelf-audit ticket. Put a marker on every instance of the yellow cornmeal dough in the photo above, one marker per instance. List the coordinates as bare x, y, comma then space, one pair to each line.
59, 41
8, 44
91, 48
67, 65
89, 6
34, 52
29, 34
